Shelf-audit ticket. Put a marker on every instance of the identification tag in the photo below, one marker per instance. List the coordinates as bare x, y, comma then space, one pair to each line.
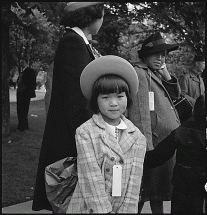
151, 101
117, 176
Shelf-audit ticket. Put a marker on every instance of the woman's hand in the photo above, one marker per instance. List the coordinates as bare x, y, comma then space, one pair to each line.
164, 72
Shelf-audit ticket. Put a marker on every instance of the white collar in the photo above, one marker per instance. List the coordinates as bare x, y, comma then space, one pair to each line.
112, 128
80, 32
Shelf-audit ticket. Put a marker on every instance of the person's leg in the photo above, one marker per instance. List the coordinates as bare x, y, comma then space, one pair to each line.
156, 207
179, 202
140, 206
26, 111
20, 111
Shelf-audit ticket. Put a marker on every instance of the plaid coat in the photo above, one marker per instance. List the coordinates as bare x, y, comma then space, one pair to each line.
98, 151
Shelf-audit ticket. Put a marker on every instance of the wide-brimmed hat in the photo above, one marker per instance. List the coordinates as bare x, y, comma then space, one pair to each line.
156, 43
199, 58
71, 6
109, 64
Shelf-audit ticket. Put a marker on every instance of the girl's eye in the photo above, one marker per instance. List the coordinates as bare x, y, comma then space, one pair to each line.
120, 96
104, 97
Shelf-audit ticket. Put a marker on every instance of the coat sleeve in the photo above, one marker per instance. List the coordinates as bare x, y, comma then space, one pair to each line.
139, 112
173, 87
162, 152
184, 84
90, 178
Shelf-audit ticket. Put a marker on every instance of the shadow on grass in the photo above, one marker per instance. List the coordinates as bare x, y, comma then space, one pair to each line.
20, 155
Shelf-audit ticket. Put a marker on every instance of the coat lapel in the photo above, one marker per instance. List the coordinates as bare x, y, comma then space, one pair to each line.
90, 51
128, 137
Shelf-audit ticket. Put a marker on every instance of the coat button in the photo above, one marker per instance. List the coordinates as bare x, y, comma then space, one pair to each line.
112, 158
121, 161
107, 170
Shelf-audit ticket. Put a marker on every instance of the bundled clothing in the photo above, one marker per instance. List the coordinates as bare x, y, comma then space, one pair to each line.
98, 151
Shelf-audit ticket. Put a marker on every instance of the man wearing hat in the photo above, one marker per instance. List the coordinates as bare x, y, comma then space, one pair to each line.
154, 114
67, 109
192, 84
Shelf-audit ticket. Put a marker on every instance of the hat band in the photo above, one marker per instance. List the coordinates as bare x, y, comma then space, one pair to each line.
156, 42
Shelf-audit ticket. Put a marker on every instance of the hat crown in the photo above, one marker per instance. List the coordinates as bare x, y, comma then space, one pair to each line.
153, 38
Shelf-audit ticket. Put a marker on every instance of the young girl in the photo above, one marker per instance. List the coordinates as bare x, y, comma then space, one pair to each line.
110, 149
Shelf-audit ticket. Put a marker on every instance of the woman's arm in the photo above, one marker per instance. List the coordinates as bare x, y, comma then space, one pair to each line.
162, 152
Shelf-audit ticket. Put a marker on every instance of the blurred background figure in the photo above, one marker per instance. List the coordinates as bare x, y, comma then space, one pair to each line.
192, 84
25, 91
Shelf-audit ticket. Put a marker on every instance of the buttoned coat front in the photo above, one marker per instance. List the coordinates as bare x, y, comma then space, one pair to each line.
98, 151
155, 125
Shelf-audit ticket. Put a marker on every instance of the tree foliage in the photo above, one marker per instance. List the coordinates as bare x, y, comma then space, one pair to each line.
34, 32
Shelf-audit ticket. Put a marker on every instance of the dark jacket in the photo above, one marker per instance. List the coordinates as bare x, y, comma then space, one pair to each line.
67, 109
27, 82
189, 143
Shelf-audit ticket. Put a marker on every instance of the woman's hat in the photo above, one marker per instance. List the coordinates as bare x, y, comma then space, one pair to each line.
155, 43
109, 64
71, 6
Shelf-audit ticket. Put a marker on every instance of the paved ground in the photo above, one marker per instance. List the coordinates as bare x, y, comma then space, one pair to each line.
26, 207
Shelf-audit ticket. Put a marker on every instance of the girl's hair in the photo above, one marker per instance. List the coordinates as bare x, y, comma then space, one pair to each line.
199, 108
108, 84
83, 17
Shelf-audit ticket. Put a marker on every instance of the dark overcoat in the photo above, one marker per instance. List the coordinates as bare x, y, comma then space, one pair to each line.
67, 109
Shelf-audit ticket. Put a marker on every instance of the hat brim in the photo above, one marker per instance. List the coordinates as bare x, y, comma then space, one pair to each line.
158, 48
104, 65
72, 6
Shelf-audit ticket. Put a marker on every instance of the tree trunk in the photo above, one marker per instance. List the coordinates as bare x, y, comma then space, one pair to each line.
5, 72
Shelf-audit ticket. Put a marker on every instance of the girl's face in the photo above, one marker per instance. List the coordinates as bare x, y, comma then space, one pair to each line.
111, 106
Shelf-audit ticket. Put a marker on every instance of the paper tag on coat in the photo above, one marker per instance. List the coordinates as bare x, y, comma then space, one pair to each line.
116, 184
151, 101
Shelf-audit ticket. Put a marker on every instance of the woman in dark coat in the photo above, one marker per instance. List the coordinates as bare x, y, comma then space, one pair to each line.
67, 109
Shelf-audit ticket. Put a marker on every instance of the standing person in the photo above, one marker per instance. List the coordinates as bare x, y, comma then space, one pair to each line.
110, 148
154, 114
188, 178
191, 83
25, 91
67, 108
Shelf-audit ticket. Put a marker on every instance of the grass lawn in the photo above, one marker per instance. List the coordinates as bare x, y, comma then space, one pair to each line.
20, 155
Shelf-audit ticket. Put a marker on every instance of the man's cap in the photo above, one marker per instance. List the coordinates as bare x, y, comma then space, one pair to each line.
72, 6
109, 64
156, 43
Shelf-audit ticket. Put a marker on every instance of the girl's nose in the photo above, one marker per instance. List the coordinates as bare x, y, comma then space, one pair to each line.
113, 102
